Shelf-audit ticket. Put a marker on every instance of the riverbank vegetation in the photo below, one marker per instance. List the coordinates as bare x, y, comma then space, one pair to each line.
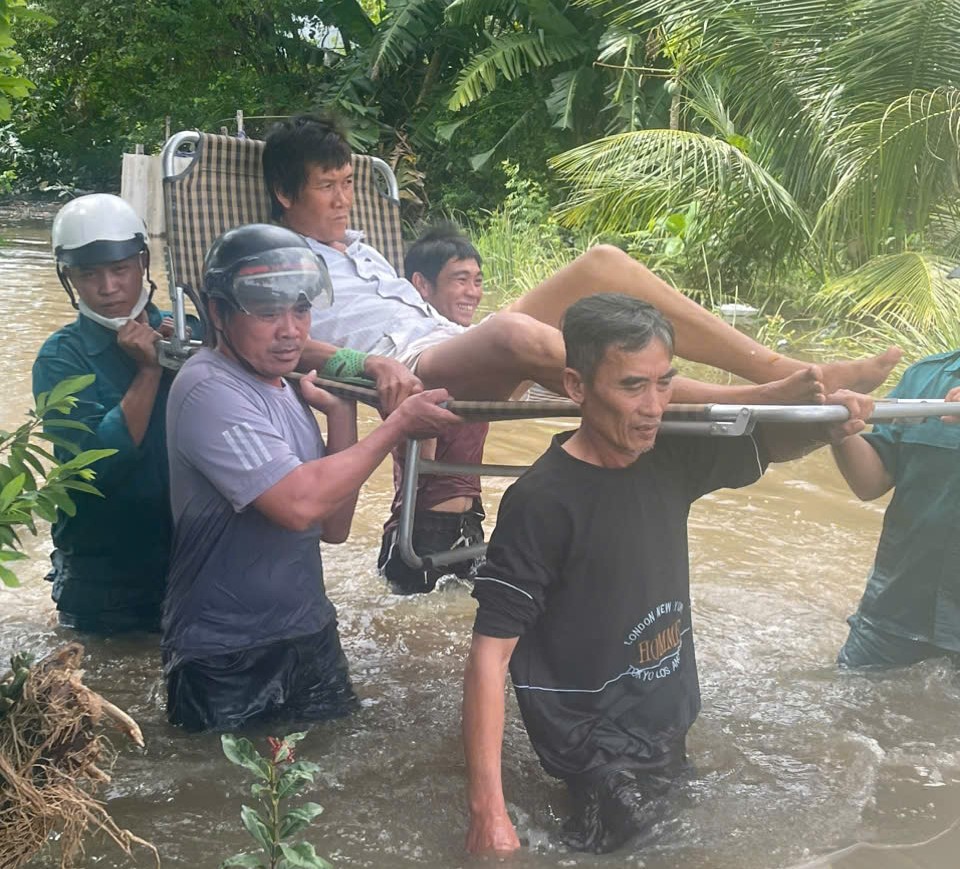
803, 159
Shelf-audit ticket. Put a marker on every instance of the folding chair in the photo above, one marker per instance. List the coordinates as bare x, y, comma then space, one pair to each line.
222, 187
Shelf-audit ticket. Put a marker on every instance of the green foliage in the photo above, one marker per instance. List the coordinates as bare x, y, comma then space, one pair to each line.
520, 242
108, 74
12, 86
822, 136
32, 481
11, 688
510, 55
277, 777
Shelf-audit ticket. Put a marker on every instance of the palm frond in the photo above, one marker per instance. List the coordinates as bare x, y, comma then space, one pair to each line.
403, 28
889, 48
477, 12
940, 337
551, 20
621, 182
905, 288
542, 15
479, 161
797, 69
350, 20
626, 98
511, 55
894, 171
571, 96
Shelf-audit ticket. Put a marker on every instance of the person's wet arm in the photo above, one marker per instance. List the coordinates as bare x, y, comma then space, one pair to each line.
314, 491
341, 418
107, 424
491, 829
862, 468
139, 341
394, 381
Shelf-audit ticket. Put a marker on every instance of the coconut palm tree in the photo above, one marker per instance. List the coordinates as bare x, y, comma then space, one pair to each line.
821, 133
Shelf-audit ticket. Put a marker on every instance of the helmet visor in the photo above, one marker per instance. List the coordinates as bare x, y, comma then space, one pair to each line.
274, 281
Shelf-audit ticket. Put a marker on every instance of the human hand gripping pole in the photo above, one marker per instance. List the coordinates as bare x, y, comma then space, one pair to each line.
320, 399
952, 396
139, 341
422, 414
859, 407
394, 381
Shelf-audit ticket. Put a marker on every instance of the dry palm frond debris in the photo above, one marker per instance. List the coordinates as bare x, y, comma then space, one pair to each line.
53, 758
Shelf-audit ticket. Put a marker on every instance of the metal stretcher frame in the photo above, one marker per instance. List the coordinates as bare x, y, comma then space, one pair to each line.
717, 420
222, 187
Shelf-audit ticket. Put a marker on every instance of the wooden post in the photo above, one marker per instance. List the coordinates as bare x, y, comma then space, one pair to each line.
240, 132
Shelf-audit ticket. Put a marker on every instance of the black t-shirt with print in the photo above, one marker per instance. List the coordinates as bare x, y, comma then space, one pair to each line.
589, 567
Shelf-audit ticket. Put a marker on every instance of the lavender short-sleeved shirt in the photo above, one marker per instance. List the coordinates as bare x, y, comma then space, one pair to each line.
237, 580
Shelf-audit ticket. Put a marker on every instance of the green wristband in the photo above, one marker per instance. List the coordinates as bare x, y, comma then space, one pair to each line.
345, 363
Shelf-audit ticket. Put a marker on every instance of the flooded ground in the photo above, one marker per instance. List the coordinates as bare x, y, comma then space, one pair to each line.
796, 764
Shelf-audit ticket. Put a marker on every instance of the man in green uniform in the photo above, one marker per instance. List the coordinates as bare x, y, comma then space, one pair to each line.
110, 559
910, 609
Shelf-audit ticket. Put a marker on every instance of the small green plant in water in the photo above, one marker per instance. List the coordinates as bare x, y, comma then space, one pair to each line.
279, 776
34, 482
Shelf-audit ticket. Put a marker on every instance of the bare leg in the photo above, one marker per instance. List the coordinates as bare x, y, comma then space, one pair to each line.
700, 336
802, 387
491, 360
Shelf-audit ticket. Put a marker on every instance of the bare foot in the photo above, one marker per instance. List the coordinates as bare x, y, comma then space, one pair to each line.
802, 387
860, 375
805, 386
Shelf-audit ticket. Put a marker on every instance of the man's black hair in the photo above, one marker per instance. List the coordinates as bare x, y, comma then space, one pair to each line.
292, 146
596, 323
435, 248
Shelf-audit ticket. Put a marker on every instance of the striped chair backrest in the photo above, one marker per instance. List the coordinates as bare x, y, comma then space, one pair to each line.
223, 188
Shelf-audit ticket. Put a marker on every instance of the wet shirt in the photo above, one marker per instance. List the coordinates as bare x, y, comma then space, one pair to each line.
460, 445
237, 580
913, 589
373, 310
589, 567
110, 559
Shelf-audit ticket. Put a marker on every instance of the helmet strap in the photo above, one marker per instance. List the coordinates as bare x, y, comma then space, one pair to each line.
65, 282
145, 253
116, 323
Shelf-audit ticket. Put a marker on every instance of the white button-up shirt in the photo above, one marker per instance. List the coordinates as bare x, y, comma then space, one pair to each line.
373, 310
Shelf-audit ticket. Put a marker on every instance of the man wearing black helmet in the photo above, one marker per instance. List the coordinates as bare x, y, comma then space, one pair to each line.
110, 559
249, 633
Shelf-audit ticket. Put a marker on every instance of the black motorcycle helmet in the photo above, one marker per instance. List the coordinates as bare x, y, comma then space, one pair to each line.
262, 270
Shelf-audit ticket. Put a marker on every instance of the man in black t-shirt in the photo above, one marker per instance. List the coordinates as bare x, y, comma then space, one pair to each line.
585, 593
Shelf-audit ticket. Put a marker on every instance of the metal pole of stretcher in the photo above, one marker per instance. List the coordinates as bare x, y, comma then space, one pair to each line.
721, 420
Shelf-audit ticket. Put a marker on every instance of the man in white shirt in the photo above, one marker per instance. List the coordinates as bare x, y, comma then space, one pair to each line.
308, 170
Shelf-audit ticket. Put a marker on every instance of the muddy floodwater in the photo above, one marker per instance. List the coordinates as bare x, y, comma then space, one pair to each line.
795, 763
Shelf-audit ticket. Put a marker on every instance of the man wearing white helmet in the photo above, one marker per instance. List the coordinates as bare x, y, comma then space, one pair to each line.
110, 559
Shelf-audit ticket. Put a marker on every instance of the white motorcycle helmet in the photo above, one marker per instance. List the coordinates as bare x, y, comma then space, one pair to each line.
96, 229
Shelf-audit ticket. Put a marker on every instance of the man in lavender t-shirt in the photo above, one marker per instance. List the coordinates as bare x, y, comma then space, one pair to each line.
248, 631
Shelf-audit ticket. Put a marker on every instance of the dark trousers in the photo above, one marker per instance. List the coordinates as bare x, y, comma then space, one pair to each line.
870, 646
613, 804
304, 679
432, 532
